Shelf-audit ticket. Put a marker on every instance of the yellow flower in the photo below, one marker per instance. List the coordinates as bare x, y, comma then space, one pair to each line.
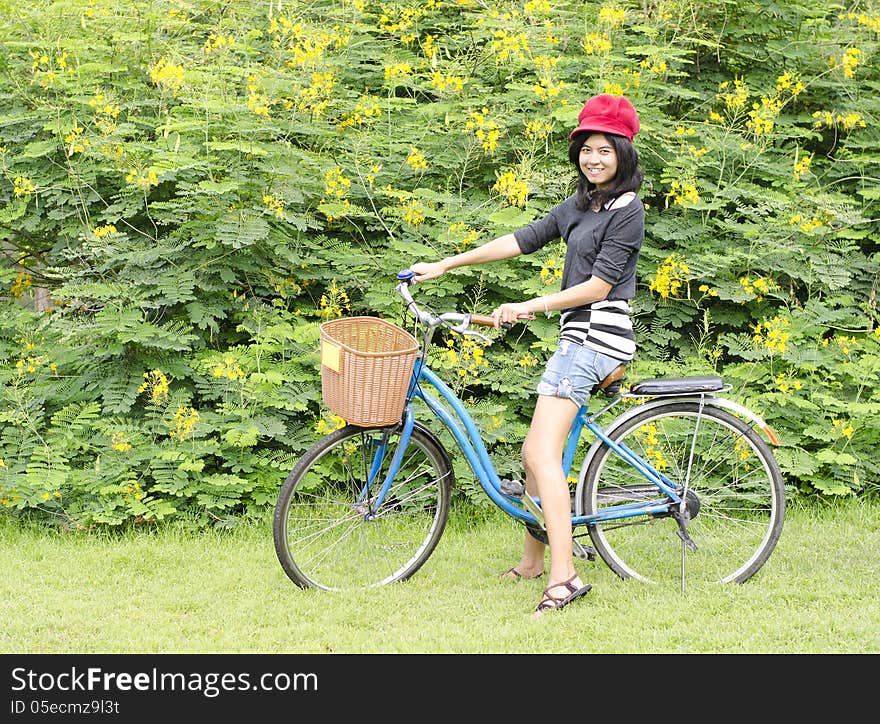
132, 490
166, 74
513, 189
470, 359
218, 42
323, 427
657, 67
802, 166
75, 141
366, 109
507, 46
536, 7
274, 204
259, 103
22, 186
416, 159
546, 88
334, 302
849, 61
157, 385
827, 119
652, 445
444, 82
735, 99
145, 179
485, 129
763, 116
539, 129
185, 420
596, 44
21, 284
758, 287
394, 71
119, 441
101, 231
336, 184
682, 194
375, 169
551, 272
611, 16
707, 290
671, 276
771, 334
315, 98
229, 369
413, 212
464, 235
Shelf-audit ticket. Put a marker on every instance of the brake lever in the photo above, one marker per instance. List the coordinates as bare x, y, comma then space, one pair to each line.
480, 335
464, 328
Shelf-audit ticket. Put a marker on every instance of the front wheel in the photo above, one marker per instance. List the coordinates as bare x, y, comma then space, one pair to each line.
328, 531
735, 496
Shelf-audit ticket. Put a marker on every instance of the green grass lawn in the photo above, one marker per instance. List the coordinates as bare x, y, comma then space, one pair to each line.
174, 590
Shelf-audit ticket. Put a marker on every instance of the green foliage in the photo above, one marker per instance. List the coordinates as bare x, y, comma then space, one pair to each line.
187, 189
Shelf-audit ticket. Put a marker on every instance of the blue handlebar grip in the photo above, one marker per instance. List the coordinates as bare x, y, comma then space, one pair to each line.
405, 275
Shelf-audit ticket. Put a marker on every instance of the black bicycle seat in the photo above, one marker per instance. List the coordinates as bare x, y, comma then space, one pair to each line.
677, 385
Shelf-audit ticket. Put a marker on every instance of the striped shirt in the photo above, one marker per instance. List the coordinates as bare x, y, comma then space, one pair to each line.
603, 326
604, 244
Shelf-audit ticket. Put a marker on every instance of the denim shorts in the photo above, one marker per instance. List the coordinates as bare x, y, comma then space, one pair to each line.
573, 371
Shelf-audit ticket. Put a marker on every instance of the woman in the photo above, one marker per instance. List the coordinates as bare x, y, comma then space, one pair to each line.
603, 225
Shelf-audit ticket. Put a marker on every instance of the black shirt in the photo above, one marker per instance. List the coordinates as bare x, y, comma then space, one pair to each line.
604, 244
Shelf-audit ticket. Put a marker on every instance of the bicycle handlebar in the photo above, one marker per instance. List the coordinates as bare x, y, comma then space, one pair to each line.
408, 278
485, 320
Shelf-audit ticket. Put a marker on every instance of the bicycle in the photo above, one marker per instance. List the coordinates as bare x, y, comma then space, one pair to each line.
367, 506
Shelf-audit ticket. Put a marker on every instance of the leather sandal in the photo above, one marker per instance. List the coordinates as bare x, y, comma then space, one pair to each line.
549, 602
513, 574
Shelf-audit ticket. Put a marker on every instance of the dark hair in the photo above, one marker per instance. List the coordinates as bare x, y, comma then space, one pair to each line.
628, 178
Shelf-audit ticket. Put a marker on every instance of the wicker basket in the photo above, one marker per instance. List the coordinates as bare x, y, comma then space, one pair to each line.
366, 367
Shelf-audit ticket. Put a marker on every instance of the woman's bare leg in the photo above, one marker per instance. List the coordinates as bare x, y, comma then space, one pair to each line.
542, 459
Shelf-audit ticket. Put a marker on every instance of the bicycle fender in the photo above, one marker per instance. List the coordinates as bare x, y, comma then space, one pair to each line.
744, 411
723, 402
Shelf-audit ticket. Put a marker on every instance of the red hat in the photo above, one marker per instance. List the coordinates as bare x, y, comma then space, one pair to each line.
608, 114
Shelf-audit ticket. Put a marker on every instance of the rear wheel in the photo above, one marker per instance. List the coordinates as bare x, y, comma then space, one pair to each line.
327, 531
735, 497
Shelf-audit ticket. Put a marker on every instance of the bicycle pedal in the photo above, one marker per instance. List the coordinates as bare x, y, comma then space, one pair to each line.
513, 488
585, 553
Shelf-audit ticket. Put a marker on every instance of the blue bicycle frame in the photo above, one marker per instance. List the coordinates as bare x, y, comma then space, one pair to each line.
462, 426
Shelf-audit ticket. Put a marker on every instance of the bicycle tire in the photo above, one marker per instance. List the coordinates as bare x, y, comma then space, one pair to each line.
733, 474
322, 535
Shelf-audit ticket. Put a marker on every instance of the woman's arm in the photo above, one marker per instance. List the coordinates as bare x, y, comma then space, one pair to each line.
592, 290
504, 247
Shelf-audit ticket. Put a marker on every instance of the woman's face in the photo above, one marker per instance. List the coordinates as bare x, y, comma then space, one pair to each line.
598, 160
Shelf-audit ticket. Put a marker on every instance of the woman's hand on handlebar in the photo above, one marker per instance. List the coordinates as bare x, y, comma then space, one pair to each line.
427, 270
509, 313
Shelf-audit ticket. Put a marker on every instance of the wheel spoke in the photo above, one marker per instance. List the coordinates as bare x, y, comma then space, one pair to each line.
733, 476
326, 533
